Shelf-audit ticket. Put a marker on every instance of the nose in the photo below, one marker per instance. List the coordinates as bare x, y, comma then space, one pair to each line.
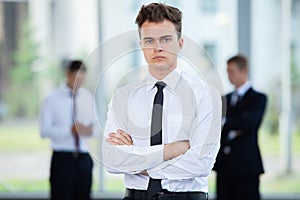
158, 46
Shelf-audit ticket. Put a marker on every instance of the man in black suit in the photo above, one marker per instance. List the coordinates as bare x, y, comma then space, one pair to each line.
239, 162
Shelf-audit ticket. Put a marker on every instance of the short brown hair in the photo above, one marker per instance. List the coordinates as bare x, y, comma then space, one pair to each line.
240, 60
158, 12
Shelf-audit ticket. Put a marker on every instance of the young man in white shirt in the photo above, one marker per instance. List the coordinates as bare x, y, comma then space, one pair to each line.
67, 118
163, 132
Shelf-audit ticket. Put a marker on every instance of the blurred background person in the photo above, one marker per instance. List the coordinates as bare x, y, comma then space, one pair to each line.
239, 163
67, 118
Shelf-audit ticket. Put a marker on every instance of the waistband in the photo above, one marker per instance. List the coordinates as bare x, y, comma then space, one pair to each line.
164, 194
70, 154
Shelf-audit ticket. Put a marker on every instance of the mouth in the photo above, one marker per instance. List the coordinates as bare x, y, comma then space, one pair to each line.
158, 57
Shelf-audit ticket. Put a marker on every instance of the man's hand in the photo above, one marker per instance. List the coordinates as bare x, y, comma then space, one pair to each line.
145, 173
175, 149
120, 138
81, 129
238, 133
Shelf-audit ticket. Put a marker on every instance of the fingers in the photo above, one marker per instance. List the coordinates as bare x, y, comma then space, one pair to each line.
183, 146
111, 142
126, 135
74, 129
145, 173
119, 138
116, 139
188, 144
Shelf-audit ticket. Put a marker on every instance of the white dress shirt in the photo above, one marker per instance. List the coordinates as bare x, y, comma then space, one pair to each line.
191, 111
56, 117
241, 91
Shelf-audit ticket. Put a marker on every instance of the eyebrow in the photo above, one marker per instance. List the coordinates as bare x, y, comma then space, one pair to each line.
164, 36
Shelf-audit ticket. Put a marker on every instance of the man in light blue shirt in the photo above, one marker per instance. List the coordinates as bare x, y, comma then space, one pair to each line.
67, 118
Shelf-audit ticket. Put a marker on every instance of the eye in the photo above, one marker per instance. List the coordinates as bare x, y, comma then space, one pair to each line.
148, 41
166, 40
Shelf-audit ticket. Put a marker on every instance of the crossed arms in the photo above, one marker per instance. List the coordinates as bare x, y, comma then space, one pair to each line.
170, 150
189, 157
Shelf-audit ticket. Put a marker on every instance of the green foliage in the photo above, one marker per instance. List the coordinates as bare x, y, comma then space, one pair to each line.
53, 73
22, 101
281, 183
17, 137
22, 96
295, 87
26, 54
271, 120
25, 185
295, 77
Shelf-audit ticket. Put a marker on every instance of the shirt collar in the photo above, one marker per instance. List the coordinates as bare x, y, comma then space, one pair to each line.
243, 88
170, 80
67, 90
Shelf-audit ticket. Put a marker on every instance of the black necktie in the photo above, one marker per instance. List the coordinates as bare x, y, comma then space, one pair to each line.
154, 185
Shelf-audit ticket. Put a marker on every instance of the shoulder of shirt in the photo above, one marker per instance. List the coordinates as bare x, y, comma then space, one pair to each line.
58, 92
85, 91
126, 89
200, 87
195, 82
55, 93
52, 97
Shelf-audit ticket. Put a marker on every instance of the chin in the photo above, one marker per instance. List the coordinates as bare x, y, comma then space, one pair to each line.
159, 64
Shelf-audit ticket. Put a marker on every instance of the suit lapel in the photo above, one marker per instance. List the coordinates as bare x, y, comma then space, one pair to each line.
233, 109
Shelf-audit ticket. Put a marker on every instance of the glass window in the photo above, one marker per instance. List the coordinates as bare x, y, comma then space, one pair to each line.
208, 6
211, 50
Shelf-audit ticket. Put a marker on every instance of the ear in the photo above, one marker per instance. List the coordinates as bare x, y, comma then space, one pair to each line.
180, 43
246, 70
67, 73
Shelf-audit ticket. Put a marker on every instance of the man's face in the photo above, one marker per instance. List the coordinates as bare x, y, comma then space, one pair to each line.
160, 45
235, 75
75, 79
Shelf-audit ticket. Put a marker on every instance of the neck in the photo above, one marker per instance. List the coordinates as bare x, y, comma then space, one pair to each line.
72, 88
159, 73
240, 84
159, 76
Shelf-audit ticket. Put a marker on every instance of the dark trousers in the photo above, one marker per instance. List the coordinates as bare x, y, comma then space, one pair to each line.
71, 176
237, 186
167, 197
133, 194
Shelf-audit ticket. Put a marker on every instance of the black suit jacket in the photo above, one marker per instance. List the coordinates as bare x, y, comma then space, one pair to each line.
245, 117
